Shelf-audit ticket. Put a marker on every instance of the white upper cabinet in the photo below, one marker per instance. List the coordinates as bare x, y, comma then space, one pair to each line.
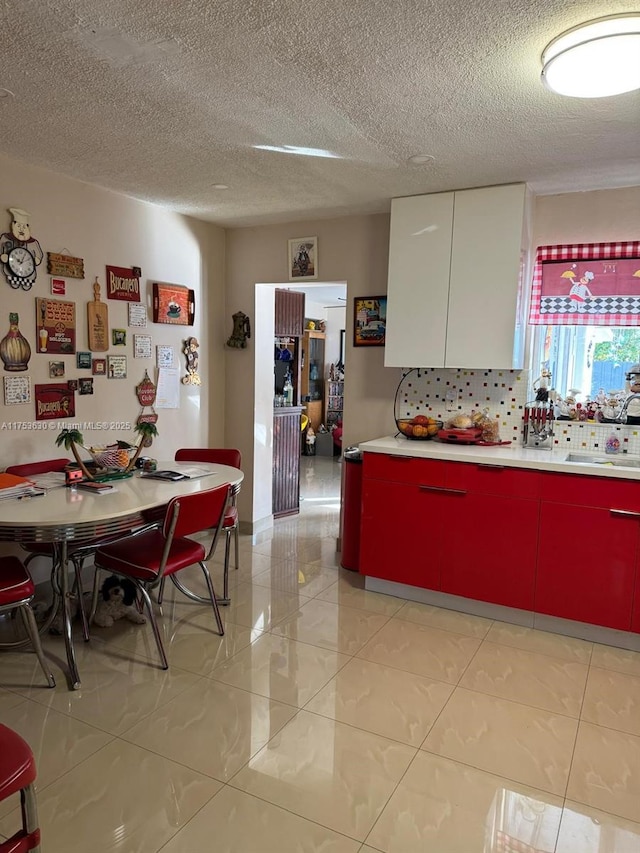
457, 267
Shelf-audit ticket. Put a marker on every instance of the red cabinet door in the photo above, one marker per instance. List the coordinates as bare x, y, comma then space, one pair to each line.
586, 564
490, 552
400, 534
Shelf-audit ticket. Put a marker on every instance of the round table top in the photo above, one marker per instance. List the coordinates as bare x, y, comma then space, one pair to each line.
68, 512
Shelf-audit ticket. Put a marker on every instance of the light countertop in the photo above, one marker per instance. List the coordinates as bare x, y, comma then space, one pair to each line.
509, 455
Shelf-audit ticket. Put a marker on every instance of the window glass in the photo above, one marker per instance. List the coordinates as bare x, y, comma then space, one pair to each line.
586, 359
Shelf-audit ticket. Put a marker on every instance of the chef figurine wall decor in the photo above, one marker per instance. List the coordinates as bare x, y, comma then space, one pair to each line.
190, 349
20, 253
241, 331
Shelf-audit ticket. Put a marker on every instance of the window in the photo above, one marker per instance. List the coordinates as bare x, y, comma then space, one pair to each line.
585, 359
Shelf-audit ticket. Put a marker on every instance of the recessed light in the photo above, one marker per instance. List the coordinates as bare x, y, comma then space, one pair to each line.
420, 159
220, 187
6, 93
299, 150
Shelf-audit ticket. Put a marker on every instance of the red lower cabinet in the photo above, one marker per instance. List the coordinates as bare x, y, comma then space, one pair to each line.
587, 559
490, 552
400, 534
560, 544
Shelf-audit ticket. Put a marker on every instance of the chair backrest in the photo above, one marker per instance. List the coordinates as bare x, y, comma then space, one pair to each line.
221, 455
44, 467
196, 513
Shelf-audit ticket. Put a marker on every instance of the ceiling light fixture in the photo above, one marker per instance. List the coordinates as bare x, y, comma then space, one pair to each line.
296, 149
596, 59
420, 159
220, 187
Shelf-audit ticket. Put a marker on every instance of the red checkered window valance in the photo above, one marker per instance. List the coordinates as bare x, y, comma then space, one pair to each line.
587, 284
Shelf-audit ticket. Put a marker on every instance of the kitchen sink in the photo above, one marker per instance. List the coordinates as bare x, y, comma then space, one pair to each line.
618, 461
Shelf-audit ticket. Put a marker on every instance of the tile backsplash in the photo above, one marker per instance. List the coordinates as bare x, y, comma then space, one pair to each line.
445, 392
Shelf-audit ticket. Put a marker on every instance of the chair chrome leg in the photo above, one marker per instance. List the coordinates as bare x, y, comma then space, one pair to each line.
154, 624
32, 628
161, 591
225, 582
29, 809
236, 539
214, 601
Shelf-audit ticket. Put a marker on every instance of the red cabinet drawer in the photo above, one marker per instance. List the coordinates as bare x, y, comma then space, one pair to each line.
404, 469
601, 492
494, 480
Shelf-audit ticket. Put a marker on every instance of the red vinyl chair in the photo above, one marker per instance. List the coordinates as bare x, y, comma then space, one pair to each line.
17, 775
233, 458
148, 558
16, 593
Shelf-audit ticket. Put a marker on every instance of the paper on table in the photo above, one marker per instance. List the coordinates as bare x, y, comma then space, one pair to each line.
193, 471
50, 480
168, 388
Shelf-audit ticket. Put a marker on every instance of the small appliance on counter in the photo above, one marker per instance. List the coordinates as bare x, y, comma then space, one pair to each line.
538, 424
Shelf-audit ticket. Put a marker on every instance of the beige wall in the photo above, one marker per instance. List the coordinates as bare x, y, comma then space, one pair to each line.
593, 217
351, 249
106, 228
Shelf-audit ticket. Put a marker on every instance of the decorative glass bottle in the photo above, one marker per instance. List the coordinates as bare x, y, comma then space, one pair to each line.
15, 351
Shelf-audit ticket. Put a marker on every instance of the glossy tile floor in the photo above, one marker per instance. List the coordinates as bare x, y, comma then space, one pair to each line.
330, 720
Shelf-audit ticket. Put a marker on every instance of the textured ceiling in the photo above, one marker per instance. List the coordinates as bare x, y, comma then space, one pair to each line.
162, 100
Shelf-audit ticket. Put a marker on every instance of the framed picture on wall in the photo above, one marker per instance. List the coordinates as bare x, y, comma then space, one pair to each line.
303, 259
369, 321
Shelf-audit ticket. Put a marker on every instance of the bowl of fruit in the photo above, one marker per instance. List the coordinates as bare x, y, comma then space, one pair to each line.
419, 428
113, 457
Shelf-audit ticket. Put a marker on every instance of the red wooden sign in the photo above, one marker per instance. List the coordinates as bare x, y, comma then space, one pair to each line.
54, 402
123, 284
146, 392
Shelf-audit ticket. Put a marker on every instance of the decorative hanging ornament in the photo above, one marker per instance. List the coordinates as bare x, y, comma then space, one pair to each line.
146, 394
20, 253
15, 351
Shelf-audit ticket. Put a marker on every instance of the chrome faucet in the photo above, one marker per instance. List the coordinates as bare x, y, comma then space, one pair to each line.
623, 411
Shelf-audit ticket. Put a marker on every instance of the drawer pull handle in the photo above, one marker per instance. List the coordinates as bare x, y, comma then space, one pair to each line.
442, 489
399, 458
625, 512
491, 467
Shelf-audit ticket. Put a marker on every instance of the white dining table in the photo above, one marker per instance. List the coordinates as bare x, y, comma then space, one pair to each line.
70, 514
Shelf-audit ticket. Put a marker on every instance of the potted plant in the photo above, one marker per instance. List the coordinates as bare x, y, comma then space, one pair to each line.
71, 438
147, 432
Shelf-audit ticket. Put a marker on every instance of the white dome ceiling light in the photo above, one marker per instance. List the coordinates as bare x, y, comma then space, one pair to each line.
596, 59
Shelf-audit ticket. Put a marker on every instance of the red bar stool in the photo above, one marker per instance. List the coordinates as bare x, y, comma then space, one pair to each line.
17, 774
16, 592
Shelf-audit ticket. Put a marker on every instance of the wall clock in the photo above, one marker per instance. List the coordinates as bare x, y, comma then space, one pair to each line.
20, 253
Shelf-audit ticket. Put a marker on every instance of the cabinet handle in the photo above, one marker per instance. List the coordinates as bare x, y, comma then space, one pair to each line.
399, 458
442, 489
625, 512
491, 467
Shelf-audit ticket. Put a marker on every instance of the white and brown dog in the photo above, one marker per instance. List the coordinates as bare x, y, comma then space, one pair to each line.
118, 596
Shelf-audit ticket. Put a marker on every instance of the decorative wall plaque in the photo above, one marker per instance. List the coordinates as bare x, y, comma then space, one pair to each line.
17, 390
65, 266
56, 326
174, 304
54, 402
123, 284
142, 346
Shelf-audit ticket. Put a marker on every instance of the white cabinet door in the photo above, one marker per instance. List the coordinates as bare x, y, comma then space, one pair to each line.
418, 287
486, 262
